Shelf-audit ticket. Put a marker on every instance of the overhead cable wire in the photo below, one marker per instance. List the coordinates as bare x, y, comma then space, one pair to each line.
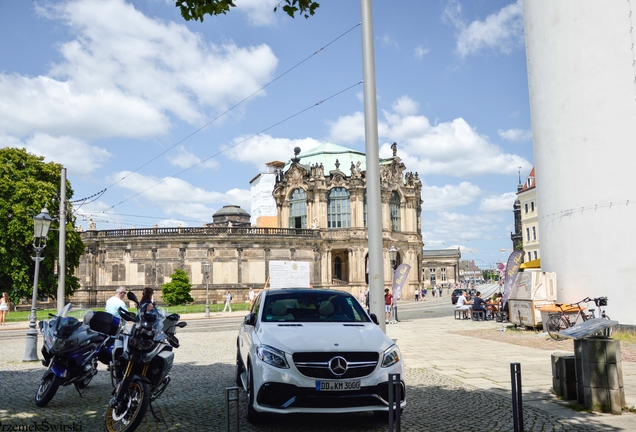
234, 106
233, 146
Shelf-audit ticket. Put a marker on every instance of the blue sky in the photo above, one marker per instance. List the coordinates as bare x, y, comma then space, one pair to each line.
131, 98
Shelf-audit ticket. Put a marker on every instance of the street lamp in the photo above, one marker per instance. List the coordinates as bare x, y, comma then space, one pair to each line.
206, 271
393, 256
41, 225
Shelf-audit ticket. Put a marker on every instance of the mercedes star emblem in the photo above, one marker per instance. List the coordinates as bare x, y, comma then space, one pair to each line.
338, 366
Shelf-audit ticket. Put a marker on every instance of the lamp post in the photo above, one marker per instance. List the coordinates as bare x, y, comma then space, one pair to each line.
41, 225
393, 257
206, 271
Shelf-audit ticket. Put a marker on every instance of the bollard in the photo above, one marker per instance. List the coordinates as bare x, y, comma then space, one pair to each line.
517, 403
395, 398
231, 398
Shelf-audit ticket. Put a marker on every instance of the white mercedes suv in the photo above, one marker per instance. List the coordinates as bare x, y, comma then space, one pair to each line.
314, 350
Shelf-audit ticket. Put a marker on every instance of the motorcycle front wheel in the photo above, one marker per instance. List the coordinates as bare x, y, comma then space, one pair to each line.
47, 389
130, 412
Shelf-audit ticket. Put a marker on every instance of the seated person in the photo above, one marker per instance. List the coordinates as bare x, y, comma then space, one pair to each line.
463, 304
479, 304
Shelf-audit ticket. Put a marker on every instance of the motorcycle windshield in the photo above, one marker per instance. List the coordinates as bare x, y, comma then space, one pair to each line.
149, 316
65, 324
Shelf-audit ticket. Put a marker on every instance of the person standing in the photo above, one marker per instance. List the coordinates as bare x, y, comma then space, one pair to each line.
388, 304
228, 302
117, 301
146, 299
5, 305
251, 296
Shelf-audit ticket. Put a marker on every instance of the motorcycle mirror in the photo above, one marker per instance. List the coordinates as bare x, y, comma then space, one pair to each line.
132, 297
182, 324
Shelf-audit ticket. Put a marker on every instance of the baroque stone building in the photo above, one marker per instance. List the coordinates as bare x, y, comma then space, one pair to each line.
321, 220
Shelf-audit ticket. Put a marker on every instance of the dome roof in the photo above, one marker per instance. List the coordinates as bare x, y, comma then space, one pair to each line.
231, 210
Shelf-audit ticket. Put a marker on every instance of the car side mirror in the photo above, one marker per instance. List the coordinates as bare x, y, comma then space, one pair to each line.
250, 319
374, 318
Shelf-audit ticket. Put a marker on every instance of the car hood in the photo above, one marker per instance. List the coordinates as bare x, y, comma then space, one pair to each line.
332, 337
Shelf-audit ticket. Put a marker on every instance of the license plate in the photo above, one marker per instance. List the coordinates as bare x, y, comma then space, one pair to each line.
338, 385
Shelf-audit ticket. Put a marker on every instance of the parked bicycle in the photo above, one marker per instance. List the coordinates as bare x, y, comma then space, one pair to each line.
563, 319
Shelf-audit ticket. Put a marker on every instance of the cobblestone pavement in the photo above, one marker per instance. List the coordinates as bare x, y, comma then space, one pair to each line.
204, 367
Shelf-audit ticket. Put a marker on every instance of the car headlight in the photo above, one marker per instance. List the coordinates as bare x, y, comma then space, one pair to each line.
272, 356
391, 356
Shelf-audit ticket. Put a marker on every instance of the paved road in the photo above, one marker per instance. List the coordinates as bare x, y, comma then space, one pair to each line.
204, 367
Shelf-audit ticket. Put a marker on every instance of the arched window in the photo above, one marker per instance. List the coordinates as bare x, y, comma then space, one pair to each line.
298, 209
338, 208
396, 219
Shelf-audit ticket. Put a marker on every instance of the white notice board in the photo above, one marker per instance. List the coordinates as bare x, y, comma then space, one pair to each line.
288, 274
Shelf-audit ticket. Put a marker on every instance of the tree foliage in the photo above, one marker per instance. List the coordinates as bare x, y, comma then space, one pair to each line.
177, 291
197, 9
27, 184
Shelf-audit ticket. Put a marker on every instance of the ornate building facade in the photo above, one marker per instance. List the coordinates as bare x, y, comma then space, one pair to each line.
321, 220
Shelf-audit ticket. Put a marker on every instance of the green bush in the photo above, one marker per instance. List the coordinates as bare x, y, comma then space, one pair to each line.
177, 291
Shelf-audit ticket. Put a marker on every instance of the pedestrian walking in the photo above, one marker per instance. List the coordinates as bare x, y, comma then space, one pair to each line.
5, 304
117, 301
251, 296
228, 302
417, 295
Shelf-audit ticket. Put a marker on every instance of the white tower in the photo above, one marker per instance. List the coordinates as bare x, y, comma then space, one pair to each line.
582, 81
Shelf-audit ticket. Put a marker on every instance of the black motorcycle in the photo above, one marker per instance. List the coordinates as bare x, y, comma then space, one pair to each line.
72, 348
142, 359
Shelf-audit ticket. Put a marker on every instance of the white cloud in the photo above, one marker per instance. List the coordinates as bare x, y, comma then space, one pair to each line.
420, 52
350, 129
176, 196
123, 73
501, 31
185, 159
498, 203
448, 148
405, 106
461, 228
264, 148
388, 41
448, 197
260, 12
78, 157
515, 134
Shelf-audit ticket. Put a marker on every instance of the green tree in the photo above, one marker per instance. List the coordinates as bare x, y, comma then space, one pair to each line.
177, 291
27, 184
197, 9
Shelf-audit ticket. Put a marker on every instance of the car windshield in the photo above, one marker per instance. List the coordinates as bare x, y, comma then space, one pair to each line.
308, 306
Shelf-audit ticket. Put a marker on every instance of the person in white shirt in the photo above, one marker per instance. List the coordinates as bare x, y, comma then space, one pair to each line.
463, 303
117, 301
251, 296
228, 302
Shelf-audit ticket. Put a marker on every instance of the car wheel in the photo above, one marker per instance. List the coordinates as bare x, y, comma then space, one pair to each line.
253, 416
239, 369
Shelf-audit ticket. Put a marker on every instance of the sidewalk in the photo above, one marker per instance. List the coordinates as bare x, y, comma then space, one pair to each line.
484, 364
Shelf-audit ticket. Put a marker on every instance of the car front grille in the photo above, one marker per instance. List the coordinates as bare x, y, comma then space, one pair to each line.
316, 364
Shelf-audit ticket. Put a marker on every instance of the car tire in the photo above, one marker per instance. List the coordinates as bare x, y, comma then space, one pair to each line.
253, 416
239, 369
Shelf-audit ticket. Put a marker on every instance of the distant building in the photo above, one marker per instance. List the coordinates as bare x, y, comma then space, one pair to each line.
469, 271
517, 235
311, 209
440, 267
527, 197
